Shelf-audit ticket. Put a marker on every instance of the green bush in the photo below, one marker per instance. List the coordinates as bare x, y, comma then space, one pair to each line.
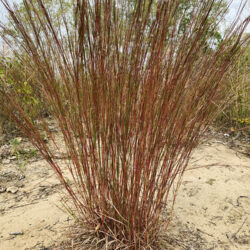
236, 114
23, 84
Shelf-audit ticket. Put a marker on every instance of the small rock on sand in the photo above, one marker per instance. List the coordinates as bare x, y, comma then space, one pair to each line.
2, 189
16, 233
12, 190
6, 161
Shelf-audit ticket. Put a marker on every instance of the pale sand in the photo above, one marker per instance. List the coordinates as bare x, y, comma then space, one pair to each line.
211, 212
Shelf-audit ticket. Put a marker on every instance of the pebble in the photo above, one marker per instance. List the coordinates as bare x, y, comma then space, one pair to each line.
5, 151
52, 128
6, 161
2, 189
12, 190
21, 177
16, 233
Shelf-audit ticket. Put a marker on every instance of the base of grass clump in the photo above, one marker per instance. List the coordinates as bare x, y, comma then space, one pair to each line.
79, 238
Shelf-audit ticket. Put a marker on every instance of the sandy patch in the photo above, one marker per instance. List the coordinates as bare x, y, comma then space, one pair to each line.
211, 212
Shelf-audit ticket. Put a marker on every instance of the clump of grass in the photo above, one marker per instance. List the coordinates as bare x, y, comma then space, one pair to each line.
132, 90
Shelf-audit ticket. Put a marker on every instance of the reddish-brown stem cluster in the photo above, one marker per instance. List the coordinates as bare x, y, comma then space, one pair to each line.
132, 90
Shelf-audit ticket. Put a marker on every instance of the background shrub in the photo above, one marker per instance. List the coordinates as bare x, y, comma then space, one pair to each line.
236, 114
24, 85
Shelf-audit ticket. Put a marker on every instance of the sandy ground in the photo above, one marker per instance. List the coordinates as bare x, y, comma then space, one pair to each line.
212, 210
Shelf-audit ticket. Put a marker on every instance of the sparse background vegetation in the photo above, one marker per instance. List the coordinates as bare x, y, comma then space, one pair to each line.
24, 84
236, 115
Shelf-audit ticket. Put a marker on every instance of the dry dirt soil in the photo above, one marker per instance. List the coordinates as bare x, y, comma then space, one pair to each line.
212, 210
